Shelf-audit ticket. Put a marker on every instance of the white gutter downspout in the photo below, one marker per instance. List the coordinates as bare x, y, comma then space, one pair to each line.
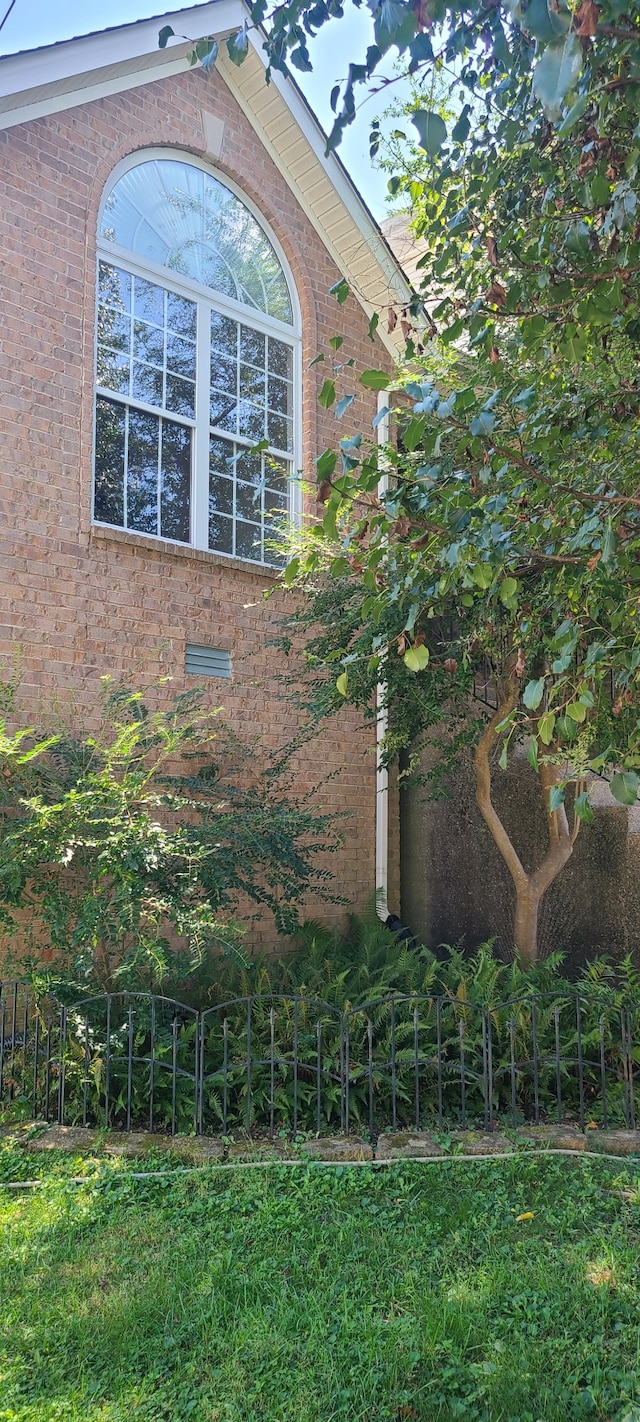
382, 718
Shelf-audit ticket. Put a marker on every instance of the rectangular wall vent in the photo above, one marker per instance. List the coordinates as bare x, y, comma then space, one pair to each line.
207, 661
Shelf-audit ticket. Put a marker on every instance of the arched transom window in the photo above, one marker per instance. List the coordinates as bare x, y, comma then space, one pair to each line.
197, 364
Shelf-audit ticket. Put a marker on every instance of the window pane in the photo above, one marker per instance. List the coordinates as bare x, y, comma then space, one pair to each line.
114, 286
148, 343
181, 315
248, 467
142, 472
112, 371
181, 396
252, 384
248, 541
148, 301
114, 329
280, 431
224, 411
280, 395
175, 496
248, 501
274, 502
181, 356
108, 506
192, 223
221, 456
280, 359
224, 334
252, 346
147, 385
221, 495
220, 533
276, 473
224, 373
250, 420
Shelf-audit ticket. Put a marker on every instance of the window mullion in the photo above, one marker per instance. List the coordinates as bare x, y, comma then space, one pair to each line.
200, 456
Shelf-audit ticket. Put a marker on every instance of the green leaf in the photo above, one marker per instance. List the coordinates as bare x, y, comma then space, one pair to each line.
342, 683
503, 756
373, 325
327, 394
413, 433
573, 117
544, 22
533, 693
432, 130
165, 35
482, 575
508, 591
416, 658
375, 380
556, 797
340, 290
394, 24
555, 74
577, 711
343, 405
238, 47
566, 728
326, 464
291, 571
583, 809
207, 52
624, 786
546, 727
532, 755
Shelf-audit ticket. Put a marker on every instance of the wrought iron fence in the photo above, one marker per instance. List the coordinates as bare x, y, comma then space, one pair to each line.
271, 1063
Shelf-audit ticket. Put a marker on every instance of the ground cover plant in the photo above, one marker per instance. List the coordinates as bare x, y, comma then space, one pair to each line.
264, 1046
506, 1291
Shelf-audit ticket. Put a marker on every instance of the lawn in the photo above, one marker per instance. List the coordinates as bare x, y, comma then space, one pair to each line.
307, 1294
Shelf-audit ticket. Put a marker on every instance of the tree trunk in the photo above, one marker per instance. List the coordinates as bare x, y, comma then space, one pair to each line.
525, 923
530, 887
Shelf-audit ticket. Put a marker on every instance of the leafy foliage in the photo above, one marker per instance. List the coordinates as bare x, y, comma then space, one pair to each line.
269, 1048
123, 851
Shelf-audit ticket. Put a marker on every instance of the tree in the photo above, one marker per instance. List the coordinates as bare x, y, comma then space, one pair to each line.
502, 548
125, 851
508, 534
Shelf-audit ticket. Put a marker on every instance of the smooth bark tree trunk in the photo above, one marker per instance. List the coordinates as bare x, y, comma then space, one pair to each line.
530, 887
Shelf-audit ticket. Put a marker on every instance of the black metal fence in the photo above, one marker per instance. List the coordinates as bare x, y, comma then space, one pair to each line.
267, 1064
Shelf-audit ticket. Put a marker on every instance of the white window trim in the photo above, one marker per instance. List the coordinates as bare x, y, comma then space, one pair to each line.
206, 298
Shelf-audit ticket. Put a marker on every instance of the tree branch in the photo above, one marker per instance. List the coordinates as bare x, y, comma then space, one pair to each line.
483, 787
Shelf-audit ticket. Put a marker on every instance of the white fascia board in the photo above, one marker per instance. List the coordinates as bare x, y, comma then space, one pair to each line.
69, 59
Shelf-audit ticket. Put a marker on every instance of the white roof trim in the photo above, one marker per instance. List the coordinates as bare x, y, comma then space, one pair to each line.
39, 82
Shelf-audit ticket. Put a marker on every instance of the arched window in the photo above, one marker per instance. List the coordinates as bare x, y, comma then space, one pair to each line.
197, 364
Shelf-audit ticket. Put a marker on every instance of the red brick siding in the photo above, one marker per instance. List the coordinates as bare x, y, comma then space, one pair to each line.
82, 602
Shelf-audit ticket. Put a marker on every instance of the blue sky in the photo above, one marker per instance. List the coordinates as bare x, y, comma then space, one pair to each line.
36, 22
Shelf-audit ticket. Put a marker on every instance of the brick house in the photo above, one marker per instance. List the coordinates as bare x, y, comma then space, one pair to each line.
168, 241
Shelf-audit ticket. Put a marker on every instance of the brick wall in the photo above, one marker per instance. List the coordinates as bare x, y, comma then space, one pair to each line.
81, 601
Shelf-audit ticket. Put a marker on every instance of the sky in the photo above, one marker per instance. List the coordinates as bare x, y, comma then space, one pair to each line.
32, 23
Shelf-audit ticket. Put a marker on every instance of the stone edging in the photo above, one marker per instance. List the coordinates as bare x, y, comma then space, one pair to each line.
401, 1145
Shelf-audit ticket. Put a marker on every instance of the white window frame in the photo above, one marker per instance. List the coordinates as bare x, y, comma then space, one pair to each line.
207, 300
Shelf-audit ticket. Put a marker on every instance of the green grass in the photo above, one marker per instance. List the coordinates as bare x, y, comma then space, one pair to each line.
307, 1294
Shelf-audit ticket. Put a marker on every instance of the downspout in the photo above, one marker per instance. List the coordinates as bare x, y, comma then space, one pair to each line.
382, 718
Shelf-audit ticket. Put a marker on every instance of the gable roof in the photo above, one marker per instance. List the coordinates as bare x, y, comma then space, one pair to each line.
38, 82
